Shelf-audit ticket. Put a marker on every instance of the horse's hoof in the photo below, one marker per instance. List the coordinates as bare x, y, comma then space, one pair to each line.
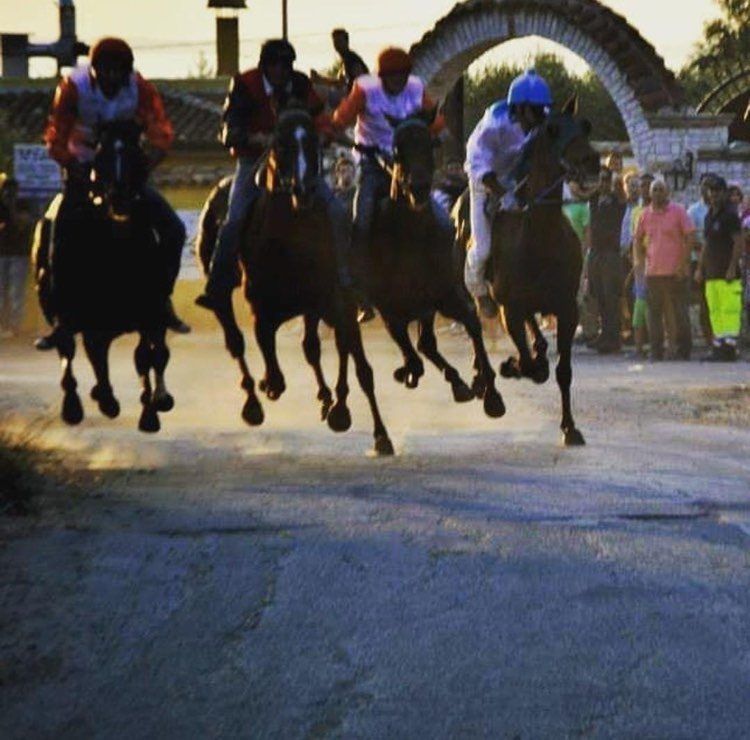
252, 412
400, 373
540, 373
510, 369
325, 409
164, 403
493, 404
412, 380
149, 421
272, 388
72, 410
461, 392
108, 404
339, 419
573, 438
383, 446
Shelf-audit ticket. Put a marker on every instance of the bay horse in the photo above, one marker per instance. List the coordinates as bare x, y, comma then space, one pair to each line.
289, 267
409, 268
100, 273
536, 257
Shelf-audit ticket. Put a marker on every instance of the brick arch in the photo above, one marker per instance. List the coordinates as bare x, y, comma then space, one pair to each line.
629, 67
723, 98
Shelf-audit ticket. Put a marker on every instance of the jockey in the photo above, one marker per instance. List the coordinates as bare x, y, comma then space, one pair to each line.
250, 110
492, 152
394, 92
107, 89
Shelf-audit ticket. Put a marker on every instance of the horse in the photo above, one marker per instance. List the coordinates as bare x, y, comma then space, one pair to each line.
99, 273
536, 259
289, 267
409, 268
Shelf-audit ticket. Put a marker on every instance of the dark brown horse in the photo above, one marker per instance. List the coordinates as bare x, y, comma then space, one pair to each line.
536, 260
289, 267
101, 276
409, 269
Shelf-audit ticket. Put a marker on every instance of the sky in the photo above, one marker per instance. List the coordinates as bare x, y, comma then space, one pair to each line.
169, 36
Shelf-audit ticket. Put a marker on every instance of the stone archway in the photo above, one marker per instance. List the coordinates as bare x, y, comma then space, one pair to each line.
731, 96
632, 71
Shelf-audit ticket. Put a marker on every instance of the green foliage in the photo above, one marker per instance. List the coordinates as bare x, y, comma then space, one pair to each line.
8, 137
594, 102
725, 47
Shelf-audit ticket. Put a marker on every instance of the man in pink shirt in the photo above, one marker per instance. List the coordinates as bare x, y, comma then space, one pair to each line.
663, 239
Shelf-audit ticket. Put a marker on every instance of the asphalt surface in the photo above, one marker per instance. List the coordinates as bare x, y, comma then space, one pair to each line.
281, 582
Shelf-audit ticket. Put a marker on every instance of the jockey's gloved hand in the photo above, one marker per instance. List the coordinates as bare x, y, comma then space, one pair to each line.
493, 185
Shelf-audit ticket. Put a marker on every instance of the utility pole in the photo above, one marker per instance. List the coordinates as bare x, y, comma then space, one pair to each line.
284, 21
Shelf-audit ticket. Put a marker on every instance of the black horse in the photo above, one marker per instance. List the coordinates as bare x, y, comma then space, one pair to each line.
409, 268
289, 266
100, 273
536, 260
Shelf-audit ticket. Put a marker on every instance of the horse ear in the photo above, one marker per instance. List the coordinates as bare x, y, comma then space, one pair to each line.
571, 105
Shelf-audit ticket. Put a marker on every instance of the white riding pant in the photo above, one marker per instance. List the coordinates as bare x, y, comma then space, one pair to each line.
481, 233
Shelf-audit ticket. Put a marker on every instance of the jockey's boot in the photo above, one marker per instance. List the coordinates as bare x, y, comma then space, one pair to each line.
487, 306
48, 342
174, 322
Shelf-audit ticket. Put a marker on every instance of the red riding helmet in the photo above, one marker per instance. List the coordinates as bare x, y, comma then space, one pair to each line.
111, 51
394, 61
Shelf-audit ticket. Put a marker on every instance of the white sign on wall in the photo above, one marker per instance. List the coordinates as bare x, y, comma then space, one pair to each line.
38, 175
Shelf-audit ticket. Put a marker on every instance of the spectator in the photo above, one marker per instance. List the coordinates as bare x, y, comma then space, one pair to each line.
344, 182
697, 212
352, 66
663, 239
632, 193
15, 244
735, 197
719, 269
614, 164
578, 213
605, 265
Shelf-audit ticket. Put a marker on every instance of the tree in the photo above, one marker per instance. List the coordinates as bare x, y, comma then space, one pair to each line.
725, 46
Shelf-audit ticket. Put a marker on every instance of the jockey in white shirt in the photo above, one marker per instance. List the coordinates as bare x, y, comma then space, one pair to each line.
492, 152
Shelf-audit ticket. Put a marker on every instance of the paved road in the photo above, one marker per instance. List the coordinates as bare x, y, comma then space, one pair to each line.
221, 581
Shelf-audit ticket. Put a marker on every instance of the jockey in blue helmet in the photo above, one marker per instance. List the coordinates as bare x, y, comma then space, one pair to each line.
492, 151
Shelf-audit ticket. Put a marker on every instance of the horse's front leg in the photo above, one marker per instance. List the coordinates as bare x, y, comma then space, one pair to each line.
427, 345
456, 307
539, 371
97, 346
252, 411
311, 348
566, 326
523, 365
413, 368
349, 340
162, 398
72, 410
273, 384
149, 419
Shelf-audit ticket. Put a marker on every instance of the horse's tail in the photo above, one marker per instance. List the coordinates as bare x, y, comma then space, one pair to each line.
41, 258
211, 218
461, 217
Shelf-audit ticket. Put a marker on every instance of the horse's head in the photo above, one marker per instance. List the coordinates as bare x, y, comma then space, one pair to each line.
413, 159
119, 169
569, 136
294, 159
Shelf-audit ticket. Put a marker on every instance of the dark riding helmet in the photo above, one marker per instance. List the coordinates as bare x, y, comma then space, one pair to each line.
112, 52
274, 51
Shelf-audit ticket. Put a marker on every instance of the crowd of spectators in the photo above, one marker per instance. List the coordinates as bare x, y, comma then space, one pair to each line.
649, 263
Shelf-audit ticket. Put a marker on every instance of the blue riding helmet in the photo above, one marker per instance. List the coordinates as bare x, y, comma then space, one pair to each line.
529, 88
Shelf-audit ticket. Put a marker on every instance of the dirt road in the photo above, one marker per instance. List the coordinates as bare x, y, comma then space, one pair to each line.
221, 581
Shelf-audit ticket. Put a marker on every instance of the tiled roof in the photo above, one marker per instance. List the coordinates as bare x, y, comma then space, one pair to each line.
195, 115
